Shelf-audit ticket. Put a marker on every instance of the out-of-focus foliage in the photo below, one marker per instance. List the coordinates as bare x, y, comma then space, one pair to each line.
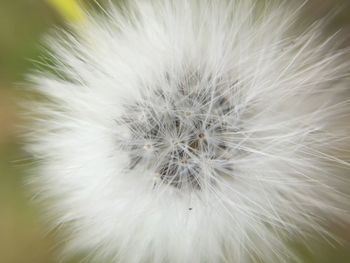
70, 9
23, 23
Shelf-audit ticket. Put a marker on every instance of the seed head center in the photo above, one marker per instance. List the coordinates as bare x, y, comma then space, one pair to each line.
180, 129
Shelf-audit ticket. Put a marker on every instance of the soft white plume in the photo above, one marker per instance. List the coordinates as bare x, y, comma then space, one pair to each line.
193, 131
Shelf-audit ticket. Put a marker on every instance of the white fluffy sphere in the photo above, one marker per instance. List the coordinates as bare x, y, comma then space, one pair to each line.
192, 131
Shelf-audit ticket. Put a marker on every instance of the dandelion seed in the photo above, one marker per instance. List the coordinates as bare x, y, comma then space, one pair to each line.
186, 104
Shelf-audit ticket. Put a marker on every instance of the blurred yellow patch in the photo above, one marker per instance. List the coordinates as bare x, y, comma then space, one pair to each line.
70, 9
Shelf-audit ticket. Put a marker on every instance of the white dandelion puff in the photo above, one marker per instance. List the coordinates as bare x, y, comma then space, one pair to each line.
193, 131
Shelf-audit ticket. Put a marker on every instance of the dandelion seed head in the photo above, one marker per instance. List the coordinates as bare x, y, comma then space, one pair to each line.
193, 131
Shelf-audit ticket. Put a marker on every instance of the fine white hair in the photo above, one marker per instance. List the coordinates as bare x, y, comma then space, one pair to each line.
192, 131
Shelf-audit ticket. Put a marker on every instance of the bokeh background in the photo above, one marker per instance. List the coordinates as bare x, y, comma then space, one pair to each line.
23, 23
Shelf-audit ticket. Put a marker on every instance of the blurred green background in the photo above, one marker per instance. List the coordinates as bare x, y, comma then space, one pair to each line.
23, 23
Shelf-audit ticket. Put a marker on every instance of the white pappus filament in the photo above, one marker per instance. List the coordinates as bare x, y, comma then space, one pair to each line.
193, 131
